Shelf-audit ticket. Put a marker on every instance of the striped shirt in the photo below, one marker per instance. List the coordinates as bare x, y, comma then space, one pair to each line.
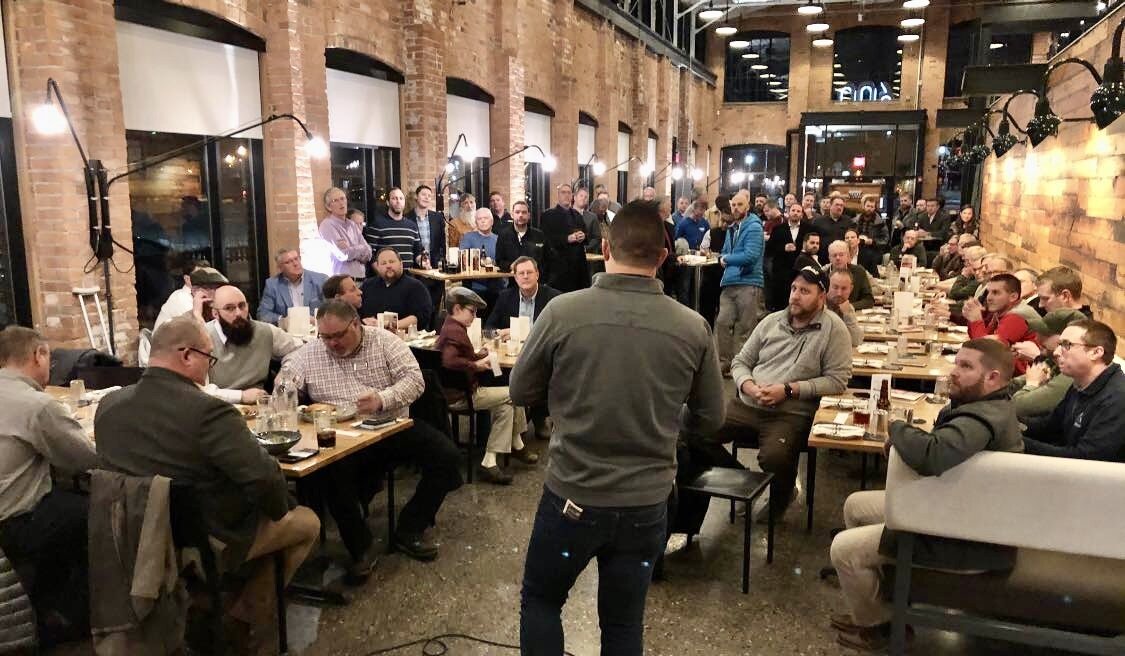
383, 363
399, 234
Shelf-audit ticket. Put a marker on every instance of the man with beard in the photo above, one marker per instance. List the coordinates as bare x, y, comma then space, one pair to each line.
809, 249
793, 357
243, 348
840, 286
390, 291
519, 239
808, 204
393, 228
782, 249
871, 227
979, 418
743, 279
565, 231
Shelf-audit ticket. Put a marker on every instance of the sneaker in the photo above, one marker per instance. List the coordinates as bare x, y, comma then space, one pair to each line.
495, 475
359, 571
525, 455
415, 547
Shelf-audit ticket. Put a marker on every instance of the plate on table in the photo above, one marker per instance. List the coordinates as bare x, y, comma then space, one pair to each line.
340, 411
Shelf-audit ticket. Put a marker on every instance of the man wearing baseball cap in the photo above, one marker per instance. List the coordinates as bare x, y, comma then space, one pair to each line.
793, 357
195, 296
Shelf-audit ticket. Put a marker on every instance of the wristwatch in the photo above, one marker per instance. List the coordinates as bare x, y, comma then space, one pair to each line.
788, 391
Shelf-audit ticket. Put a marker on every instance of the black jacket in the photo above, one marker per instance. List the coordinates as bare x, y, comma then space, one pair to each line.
830, 231
436, 247
566, 266
782, 261
509, 247
1088, 424
508, 306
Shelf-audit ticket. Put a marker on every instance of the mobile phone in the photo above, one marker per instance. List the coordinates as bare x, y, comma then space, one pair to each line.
373, 424
297, 455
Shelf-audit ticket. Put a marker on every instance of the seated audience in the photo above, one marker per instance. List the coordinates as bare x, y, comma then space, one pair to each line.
1061, 288
243, 348
291, 287
519, 239
484, 239
458, 354
792, 358
526, 299
42, 527
861, 295
344, 288
909, 246
990, 265
965, 284
949, 263
978, 418
374, 369
1090, 421
808, 255
966, 223
1028, 296
1043, 386
166, 425
840, 285
865, 256
390, 291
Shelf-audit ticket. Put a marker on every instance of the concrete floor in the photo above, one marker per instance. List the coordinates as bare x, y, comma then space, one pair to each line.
474, 585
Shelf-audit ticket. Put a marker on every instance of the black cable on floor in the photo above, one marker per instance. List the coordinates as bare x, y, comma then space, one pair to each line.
436, 643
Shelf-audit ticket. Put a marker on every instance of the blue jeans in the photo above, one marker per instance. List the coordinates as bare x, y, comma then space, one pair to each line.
626, 542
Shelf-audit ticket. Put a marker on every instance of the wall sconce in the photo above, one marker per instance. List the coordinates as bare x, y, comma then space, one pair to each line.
1108, 100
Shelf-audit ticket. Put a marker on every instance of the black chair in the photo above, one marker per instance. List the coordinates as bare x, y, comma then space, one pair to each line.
461, 381
810, 474
737, 485
189, 531
97, 378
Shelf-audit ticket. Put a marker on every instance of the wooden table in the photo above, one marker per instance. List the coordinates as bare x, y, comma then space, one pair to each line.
506, 361
595, 257
914, 366
923, 410
876, 328
448, 278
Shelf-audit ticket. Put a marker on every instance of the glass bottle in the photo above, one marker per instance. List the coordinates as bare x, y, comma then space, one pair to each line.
883, 411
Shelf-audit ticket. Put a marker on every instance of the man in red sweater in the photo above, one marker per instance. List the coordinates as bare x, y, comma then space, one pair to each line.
1002, 294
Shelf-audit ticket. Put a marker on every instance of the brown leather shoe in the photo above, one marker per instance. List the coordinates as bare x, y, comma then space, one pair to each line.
495, 475
871, 639
844, 623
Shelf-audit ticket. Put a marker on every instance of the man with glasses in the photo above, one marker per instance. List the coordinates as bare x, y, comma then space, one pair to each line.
353, 363
243, 348
291, 287
166, 425
1090, 421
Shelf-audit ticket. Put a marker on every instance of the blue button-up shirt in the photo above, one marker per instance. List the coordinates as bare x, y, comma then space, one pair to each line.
527, 307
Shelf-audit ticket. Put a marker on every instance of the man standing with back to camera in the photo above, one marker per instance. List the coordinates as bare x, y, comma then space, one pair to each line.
611, 466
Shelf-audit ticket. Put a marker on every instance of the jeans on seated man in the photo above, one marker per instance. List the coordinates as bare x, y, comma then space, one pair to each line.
353, 363
980, 417
459, 354
166, 425
793, 357
42, 528
243, 348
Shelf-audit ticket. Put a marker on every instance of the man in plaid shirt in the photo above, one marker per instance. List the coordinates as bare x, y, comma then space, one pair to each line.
368, 366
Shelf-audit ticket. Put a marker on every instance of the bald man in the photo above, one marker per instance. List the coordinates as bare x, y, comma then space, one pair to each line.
243, 348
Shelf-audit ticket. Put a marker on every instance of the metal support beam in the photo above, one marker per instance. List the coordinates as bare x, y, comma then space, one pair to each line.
1036, 11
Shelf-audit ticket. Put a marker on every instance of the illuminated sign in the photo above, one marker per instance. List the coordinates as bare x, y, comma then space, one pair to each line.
863, 92
859, 162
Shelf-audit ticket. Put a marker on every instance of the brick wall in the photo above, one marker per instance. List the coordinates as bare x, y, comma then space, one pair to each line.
1064, 201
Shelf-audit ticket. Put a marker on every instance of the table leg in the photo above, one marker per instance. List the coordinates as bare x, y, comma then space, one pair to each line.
308, 582
696, 278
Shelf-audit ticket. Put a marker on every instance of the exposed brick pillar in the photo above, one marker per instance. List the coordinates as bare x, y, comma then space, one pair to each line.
506, 117
936, 42
423, 94
605, 141
665, 127
639, 120
564, 126
294, 81
74, 42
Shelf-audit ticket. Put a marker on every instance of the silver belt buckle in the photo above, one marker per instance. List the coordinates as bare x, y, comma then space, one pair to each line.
572, 510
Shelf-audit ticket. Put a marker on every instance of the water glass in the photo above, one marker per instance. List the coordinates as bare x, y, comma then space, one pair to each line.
265, 414
412, 332
78, 393
935, 349
941, 391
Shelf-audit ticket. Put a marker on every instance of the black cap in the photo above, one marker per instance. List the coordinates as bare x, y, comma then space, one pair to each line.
813, 276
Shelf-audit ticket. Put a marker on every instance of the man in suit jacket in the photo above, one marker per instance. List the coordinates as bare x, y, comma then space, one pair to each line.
431, 225
291, 287
566, 236
782, 247
519, 239
166, 425
527, 298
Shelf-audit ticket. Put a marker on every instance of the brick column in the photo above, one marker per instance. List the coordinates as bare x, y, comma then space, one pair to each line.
564, 125
294, 81
638, 144
423, 94
74, 42
605, 141
936, 41
506, 116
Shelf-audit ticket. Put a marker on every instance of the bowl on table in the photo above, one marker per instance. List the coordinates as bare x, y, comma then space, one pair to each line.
278, 442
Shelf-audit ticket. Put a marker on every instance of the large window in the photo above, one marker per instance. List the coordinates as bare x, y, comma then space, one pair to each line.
867, 64
538, 190
759, 168
14, 301
757, 67
206, 204
366, 174
861, 159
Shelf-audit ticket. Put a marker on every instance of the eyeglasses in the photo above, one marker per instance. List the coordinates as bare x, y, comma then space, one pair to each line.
211, 360
331, 336
232, 308
1065, 345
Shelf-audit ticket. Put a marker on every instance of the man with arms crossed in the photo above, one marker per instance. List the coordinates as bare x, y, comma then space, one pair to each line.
611, 466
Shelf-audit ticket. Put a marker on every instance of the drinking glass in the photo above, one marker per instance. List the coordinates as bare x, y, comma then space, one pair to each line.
78, 393
935, 349
324, 422
265, 414
941, 391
